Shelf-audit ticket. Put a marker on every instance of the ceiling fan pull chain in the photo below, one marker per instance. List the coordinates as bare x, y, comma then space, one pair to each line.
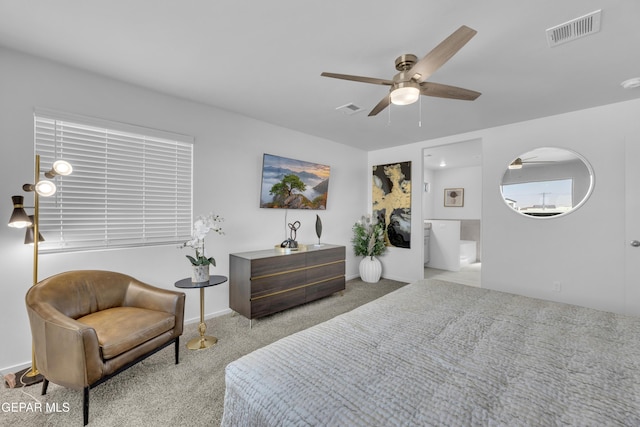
420, 112
389, 122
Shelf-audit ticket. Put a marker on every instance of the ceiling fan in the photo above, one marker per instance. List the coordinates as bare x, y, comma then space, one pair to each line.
410, 82
519, 162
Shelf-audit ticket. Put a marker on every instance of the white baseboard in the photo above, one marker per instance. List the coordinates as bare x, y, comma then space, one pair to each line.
208, 316
396, 278
15, 368
400, 279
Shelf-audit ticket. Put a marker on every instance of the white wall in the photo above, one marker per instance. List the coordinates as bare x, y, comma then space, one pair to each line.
228, 159
400, 263
584, 250
428, 197
469, 178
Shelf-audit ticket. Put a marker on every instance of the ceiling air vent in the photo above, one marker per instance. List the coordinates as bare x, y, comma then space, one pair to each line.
349, 108
574, 29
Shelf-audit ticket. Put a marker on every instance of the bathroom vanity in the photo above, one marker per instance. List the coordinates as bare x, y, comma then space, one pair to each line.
444, 248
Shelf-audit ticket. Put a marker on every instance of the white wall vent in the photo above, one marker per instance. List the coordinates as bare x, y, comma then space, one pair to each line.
349, 108
574, 29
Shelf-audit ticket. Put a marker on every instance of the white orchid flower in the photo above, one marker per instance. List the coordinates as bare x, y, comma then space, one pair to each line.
201, 227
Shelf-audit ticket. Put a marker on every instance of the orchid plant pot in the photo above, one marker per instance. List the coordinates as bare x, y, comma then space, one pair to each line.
200, 273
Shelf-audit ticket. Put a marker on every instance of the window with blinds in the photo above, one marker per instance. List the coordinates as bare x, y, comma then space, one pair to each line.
130, 186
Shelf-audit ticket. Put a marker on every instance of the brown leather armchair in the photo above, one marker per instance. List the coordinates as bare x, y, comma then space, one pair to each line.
90, 325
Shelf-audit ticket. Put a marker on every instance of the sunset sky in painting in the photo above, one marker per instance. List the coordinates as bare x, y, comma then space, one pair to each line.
299, 166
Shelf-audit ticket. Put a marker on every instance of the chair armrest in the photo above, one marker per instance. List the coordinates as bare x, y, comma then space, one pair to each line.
142, 295
67, 351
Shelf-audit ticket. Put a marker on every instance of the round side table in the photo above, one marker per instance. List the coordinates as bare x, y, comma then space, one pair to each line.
202, 341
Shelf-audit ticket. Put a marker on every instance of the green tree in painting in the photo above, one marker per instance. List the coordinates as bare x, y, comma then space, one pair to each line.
285, 187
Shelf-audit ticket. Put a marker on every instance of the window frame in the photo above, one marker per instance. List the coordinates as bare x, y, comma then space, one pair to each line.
119, 194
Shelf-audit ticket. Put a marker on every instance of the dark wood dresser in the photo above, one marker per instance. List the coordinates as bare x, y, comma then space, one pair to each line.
268, 281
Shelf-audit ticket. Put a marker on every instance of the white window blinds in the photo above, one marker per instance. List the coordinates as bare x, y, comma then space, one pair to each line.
130, 186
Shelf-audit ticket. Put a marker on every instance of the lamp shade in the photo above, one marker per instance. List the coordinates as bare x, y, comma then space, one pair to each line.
28, 236
19, 218
60, 167
45, 188
405, 93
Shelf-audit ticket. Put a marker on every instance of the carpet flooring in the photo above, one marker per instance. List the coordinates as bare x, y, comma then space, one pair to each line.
156, 392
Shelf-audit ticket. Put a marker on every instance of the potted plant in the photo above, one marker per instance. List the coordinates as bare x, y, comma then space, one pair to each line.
368, 241
200, 263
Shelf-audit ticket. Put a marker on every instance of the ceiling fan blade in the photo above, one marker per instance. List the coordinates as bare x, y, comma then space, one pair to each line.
384, 103
446, 91
372, 80
442, 53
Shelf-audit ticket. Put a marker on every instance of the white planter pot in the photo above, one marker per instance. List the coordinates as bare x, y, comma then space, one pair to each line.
370, 269
200, 273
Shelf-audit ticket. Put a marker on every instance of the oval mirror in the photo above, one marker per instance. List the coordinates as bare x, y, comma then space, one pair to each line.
547, 182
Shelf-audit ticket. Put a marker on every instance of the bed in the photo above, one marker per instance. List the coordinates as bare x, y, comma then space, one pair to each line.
438, 353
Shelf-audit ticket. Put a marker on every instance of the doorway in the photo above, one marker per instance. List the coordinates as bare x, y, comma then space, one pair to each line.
451, 212
632, 225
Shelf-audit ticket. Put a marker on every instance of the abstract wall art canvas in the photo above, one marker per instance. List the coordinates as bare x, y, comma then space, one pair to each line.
392, 202
293, 184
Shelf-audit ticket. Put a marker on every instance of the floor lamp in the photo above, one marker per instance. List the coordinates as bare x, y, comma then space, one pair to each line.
20, 219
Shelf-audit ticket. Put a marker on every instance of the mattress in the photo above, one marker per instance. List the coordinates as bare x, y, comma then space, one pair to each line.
437, 353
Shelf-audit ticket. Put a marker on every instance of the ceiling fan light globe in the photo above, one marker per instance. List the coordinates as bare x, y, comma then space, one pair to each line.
405, 95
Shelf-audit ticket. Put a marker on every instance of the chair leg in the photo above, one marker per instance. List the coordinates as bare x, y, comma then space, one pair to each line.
45, 384
85, 405
177, 350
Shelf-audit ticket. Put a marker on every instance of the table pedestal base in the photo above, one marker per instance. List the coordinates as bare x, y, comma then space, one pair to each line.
201, 342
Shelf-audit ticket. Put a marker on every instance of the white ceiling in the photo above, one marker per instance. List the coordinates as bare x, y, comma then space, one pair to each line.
451, 156
263, 59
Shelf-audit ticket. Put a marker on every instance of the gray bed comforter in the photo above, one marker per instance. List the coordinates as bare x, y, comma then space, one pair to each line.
436, 353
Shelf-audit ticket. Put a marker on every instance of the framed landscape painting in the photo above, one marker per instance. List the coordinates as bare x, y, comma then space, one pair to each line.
293, 184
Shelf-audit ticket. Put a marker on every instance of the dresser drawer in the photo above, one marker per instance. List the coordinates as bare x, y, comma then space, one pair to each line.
274, 303
324, 289
324, 272
325, 256
266, 285
277, 264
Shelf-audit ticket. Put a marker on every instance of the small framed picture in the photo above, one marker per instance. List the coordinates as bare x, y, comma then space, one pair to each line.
454, 197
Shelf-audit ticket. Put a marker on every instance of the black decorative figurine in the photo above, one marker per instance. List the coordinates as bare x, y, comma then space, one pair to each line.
318, 229
291, 242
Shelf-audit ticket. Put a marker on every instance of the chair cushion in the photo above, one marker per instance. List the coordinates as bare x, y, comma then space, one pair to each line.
120, 329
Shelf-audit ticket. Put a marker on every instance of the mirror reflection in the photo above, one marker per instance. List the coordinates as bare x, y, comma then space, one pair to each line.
547, 182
